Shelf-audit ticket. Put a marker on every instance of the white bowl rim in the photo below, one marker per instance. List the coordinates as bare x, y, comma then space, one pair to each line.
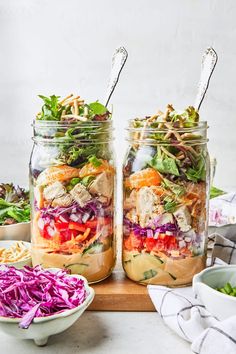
198, 279
11, 241
17, 223
64, 313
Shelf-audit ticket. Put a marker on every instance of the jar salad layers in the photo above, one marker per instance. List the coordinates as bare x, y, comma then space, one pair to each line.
72, 177
165, 204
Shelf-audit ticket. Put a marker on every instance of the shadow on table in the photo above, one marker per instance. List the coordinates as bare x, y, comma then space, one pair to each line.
88, 332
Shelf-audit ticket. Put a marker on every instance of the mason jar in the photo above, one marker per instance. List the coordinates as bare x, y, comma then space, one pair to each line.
165, 202
72, 179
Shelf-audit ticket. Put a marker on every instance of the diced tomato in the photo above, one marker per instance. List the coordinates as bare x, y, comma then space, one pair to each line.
150, 243
61, 226
67, 235
44, 233
47, 232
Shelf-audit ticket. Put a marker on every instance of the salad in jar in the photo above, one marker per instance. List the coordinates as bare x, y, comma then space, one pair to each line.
72, 188
166, 178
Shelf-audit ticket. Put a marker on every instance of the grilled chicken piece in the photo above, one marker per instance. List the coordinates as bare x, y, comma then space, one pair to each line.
130, 202
132, 216
147, 205
183, 218
54, 190
166, 218
80, 194
64, 201
102, 185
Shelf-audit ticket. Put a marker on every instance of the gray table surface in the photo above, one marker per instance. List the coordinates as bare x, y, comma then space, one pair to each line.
106, 332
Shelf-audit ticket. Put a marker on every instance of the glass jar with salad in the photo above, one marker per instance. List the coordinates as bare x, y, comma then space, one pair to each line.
165, 204
72, 188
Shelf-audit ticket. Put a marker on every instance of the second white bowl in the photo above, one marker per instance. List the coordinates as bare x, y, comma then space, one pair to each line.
204, 284
17, 264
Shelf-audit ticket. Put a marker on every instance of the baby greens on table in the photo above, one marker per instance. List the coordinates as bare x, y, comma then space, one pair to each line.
14, 204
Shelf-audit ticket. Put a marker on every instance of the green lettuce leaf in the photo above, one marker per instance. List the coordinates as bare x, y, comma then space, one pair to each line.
197, 173
164, 165
97, 108
216, 192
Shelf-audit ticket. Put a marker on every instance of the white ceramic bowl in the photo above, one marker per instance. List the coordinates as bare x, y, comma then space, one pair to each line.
19, 232
204, 283
43, 327
17, 264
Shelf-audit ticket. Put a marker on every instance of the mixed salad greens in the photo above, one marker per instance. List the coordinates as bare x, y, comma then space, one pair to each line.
73, 181
14, 204
165, 198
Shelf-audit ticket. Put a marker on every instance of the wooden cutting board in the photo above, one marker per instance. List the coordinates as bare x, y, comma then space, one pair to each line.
118, 293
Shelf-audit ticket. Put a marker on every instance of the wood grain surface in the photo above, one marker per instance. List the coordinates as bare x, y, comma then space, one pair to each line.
118, 293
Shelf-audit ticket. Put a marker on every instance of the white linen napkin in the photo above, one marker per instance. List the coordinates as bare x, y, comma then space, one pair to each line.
222, 210
186, 316
189, 318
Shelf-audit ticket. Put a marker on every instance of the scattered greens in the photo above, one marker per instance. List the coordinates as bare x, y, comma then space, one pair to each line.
55, 109
14, 204
76, 116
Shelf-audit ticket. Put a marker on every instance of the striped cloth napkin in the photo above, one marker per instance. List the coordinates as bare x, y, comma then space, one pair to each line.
186, 316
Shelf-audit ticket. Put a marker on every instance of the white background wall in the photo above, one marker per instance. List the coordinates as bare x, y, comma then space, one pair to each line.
59, 46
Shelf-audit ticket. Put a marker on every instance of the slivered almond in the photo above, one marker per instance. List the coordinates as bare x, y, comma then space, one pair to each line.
76, 107
66, 98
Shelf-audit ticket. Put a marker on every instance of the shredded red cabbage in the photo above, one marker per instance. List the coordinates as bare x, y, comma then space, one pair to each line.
35, 292
79, 214
148, 231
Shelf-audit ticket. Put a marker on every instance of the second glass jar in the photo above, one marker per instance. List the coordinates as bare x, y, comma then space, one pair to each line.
72, 177
166, 182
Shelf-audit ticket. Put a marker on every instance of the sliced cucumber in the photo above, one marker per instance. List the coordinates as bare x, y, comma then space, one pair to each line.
149, 255
77, 268
149, 274
94, 248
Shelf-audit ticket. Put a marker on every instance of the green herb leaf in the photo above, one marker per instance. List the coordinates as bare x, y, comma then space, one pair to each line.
197, 173
177, 189
95, 161
164, 165
97, 108
87, 180
51, 109
216, 192
170, 205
